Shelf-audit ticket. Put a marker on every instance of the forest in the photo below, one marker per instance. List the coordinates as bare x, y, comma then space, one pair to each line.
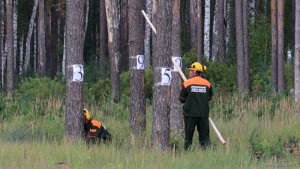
112, 57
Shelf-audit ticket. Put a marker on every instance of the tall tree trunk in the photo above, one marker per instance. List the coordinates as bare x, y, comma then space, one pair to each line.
240, 45
147, 42
230, 38
274, 45
280, 46
87, 9
199, 34
193, 23
29, 36
1, 43
34, 48
54, 38
10, 49
176, 117
21, 57
47, 33
215, 41
221, 34
297, 51
137, 76
113, 24
102, 38
207, 30
15, 16
252, 10
162, 19
246, 46
124, 35
74, 53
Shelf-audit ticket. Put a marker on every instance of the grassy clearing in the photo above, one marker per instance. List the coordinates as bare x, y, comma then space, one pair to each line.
258, 133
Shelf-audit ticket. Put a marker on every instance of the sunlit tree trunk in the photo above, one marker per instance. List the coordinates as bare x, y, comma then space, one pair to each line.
252, 9
113, 24
21, 56
176, 116
162, 19
207, 30
41, 40
29, 36
137, 76
87, 9
280, 5
10, 49
215, 44
102, 38
297, 51
147, 42
74, 54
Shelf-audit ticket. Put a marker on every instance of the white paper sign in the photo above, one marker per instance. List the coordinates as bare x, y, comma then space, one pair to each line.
78, 73
177, 60
166, 76
140, 65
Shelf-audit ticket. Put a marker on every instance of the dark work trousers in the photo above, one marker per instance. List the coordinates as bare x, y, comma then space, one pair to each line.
202, 124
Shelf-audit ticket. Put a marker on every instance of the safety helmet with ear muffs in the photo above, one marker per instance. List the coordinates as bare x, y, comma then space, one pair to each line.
197, 67
86, 114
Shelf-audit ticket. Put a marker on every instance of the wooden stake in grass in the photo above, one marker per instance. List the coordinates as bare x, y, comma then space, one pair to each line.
209, 119
149, 22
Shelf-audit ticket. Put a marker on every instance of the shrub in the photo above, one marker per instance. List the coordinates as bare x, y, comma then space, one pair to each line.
41, 87
98, 92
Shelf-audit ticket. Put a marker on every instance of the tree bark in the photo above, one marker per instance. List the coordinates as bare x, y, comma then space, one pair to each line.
54, 39
297, 51
176, 117
74, 53
147, 40
246, 45
102, 38
162, 19
41, 40
10, 49
29, 36
113, 24
240, 45
15, 16
274, 30
1, 43
124, 35
47, 33
207, 30
280, 46
230, 38
137, 76
193, 23
221, 34
214, 47
199, 34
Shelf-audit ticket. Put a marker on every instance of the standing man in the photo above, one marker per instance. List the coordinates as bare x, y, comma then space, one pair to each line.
196, 92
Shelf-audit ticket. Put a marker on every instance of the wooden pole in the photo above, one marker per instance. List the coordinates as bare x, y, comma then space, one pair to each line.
209, 119
149, 22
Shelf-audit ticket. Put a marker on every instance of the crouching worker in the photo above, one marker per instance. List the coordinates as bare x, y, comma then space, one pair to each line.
94, 131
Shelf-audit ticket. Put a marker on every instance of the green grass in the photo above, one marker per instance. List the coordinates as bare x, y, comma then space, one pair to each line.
34, 138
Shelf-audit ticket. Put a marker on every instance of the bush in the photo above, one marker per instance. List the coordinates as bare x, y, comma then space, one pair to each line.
98, 92
41, 87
